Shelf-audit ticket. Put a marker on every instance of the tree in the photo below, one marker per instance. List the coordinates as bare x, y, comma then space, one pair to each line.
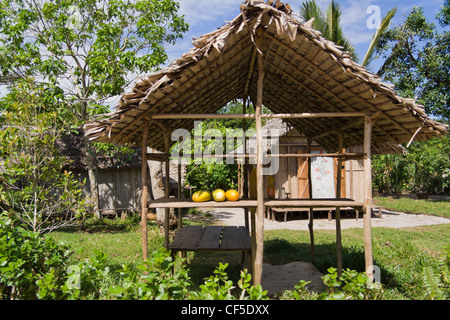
418, 60
34, 187
89, 49
329, 23
369, 56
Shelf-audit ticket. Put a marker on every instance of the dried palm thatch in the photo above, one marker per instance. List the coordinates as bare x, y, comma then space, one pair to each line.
303, 73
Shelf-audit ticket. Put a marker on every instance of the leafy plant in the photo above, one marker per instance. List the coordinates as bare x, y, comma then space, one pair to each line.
156, 279
424, 168
437, 281
35, 188
219, 287
416, 59
31, 266
86, 50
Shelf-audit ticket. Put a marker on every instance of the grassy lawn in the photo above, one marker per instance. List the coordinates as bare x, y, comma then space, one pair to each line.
400, 253
435, 207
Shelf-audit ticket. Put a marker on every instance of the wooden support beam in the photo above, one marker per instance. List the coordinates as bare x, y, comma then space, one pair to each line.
368, 197
258, 262
167, 190
167, 116
145, 193
246, 162
180, 210
338, 210
349, 156
311, 209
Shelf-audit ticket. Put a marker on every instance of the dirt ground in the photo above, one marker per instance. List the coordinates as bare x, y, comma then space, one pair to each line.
278, 278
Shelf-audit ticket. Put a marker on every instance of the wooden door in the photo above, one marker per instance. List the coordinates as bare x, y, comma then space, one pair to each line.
302, 175
303, 180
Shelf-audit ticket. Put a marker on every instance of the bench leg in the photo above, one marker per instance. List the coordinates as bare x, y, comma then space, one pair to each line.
247, 261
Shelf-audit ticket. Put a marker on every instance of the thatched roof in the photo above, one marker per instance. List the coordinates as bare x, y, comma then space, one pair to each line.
303, 73
72, 147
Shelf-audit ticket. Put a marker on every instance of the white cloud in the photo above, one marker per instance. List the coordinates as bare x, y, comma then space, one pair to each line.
201, 11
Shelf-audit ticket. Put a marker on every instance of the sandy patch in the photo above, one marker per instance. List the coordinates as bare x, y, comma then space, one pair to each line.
278, 278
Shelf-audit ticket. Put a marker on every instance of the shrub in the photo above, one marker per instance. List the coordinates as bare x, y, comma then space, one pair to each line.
31, 266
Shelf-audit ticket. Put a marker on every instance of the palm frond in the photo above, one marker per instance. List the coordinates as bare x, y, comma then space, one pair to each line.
309, 10
368, 58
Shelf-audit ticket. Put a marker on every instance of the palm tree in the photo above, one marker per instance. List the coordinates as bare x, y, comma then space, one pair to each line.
368, 58
329, 25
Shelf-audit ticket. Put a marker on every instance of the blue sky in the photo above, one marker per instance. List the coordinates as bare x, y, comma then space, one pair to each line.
206, 15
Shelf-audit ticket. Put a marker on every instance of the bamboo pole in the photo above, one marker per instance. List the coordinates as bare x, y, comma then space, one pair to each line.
349, 156
338, 209
166, 116
368, 196
245, 171
167, 190
144, 193
311, 209
257, 276
180, 210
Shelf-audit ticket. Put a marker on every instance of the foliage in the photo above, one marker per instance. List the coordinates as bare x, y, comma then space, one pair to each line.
88, 279
369, 56
417, 61
31, 266
88, 51
120, 155
156, 279
219, 287
424, 168
351, 285
93, 45
212, 176
215, 173
328, 23
437, 282
35, 188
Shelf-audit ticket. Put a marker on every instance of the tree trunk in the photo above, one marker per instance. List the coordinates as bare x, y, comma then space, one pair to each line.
157, 185
93, 174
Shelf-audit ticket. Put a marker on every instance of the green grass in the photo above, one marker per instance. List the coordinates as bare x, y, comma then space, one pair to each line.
400, 253
122, 245
433, 207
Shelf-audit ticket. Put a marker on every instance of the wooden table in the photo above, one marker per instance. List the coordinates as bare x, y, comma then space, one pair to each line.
212, 238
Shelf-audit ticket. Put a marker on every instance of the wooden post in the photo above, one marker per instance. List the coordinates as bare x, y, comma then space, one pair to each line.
180, 210
257, 270
245, 171
338, 209
144, 192
167, 190
311, 210
368, 195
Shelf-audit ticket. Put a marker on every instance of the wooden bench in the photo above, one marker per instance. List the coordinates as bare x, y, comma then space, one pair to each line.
270, 212
212, 238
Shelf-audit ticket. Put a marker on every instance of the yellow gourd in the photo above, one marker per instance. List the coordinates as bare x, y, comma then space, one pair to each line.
201, 196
